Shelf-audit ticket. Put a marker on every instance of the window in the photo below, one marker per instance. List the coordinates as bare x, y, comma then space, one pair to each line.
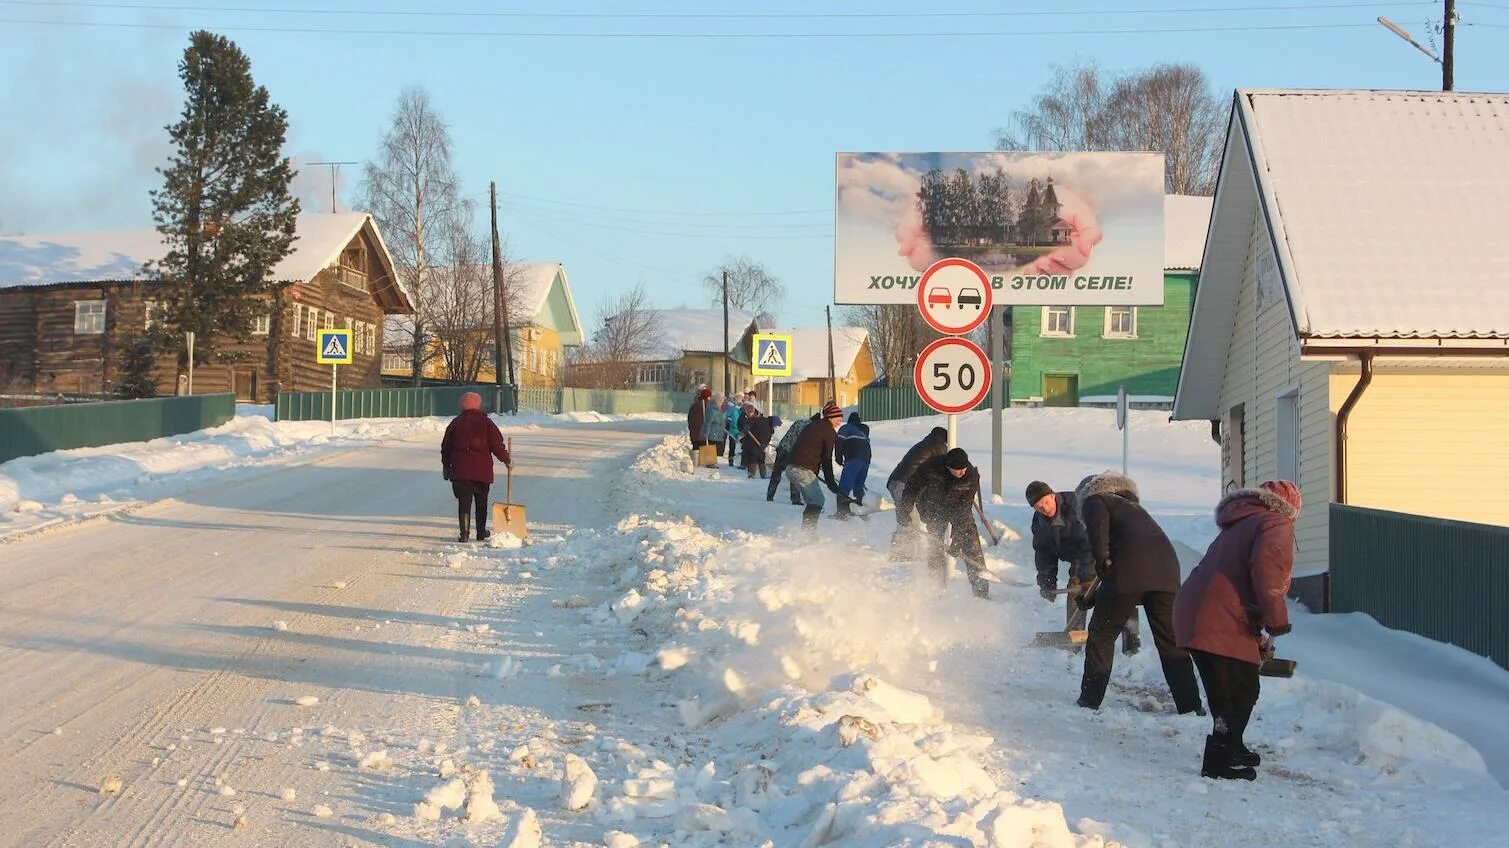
297, 317
261, 325
151, 311
329, 320
658, 373
371, 338
1121, 322
397, 363
551, 364
311, 322
88, 317
1058, 321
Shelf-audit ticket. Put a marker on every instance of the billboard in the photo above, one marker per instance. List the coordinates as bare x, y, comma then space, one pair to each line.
1050, 229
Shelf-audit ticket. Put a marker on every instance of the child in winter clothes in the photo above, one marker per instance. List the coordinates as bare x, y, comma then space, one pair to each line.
757, 434
1233, 595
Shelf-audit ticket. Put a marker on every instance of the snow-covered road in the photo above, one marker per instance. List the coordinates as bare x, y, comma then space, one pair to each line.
132, 640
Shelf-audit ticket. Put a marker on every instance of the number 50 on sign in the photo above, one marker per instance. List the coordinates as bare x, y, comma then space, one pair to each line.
952, 375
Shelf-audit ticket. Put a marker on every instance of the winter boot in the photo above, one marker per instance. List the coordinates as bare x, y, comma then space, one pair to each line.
466, 528
1220, 762
483, 534
1131, 643
1242, 755
810, 515
843, 508
764, 472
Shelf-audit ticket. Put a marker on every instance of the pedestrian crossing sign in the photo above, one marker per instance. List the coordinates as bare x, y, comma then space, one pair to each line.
772, 355
333, 347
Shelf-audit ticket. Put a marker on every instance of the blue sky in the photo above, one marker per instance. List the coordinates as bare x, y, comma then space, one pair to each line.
644, 158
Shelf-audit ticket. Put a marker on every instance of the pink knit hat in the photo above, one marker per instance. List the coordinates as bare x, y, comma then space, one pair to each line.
1285, 490
471, 400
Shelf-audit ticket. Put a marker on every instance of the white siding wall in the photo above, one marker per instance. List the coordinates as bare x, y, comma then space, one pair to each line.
1262, 363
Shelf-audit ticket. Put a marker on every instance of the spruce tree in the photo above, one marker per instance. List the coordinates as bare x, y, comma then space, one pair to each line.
138, 361
225, 211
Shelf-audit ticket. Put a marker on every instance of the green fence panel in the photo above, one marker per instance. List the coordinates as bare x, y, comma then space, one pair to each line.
388, 403
1441, 579
41, 429
879, 403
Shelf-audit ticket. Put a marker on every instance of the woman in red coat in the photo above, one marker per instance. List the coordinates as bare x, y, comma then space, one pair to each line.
1234, 595
466, 459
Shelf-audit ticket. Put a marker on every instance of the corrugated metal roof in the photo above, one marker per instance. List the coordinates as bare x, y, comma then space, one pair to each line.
1186, 219
1391, 207
118, 255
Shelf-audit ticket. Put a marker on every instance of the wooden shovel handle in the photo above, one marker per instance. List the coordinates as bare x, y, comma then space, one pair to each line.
509, 468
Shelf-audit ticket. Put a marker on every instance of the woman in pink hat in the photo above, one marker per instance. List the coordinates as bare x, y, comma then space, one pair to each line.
466, 459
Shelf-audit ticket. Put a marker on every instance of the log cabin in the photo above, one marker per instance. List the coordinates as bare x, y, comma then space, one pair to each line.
69, 302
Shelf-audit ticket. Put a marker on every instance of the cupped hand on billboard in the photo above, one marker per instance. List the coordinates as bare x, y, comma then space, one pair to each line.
913, 243
1084, 235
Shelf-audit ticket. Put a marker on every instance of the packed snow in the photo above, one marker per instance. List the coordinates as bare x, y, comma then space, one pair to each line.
695, 672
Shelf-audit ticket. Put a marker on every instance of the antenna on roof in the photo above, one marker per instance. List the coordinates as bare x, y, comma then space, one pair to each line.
334, 166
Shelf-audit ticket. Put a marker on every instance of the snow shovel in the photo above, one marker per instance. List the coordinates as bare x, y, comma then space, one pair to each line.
989, 531
1273, 667
508, 517
1067, 638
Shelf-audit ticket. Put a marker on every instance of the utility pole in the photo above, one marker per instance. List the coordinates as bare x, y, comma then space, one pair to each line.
727, 385
334, 166
832, 378
1448, 45
492, 192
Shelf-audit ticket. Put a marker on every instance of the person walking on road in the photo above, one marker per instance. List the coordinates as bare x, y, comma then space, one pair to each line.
932, 446
714, 425
783, 450
1232, 597
696, 416
1058, 534
813, 456
1136, 566
466, 459
756, 437
852, 451
944, 491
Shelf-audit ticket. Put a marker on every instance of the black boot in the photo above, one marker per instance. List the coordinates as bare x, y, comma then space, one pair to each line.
810, 515
1220, 761
483, 534
466, 528
1242, 755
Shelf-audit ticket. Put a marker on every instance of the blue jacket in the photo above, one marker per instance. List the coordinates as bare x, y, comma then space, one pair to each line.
853, 443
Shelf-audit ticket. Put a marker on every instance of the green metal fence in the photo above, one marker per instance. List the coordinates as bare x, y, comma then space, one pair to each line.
1444, 580
40, 429
388, 403
879, 403
606, 401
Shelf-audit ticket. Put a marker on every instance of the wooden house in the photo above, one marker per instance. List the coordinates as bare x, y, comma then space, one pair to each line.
689, 351
68, 302
853, 367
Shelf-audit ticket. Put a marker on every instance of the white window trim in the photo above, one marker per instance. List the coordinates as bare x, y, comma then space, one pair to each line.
1107, 334
78, 307
1053, 334
311, 322
262, 324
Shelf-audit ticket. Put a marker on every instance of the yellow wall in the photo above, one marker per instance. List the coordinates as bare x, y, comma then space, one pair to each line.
1429, 442
815, 392
531, 372
711, 366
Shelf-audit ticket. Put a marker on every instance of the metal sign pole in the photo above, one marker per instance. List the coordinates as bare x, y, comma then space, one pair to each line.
334, 398
997, 438
190, 337
953, 431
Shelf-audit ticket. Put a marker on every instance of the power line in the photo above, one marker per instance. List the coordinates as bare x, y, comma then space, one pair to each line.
693, 213
474, 13
614, 218
410, 33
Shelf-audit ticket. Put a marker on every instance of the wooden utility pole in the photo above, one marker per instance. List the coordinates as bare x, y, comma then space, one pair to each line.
832, 378
492, 191
727, 385
1448, 45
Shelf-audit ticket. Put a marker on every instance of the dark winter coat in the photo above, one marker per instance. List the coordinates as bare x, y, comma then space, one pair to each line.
814, 451
1061, 538
696, 418
757, 434
470, 443
933, 445
1239, 587
1132, 554
938, 495
853, 442
792, 434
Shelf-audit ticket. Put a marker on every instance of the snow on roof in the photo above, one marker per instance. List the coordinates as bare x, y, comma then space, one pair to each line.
809, 352
1186, 219
530, 282
118, 255
684, 330
1387, 208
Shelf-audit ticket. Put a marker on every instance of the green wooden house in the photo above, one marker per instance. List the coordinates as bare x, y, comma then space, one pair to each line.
1072, 356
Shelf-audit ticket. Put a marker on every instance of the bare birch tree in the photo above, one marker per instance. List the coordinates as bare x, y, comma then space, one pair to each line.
629, 334
1168, 108
459, 298
897, 335
412, 191
751, 287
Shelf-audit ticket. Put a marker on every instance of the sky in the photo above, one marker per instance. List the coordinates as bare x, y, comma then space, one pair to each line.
644, 142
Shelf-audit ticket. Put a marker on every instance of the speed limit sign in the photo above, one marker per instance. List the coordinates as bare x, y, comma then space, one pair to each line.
952, 375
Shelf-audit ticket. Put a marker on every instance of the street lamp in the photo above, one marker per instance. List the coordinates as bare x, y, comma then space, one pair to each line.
1448, 32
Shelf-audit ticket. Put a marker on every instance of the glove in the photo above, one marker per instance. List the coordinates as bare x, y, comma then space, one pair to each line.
1279, 630
1049, 593
1102, 569
445, 472
833, 487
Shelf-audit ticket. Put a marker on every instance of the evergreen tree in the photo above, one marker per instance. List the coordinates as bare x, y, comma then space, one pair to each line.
1032, 223
138, 361
224, 210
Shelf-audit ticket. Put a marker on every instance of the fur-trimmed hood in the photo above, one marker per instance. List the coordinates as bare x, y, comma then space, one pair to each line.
1104, 483
1243, 503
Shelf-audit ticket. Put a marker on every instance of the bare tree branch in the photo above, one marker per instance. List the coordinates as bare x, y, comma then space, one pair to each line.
629, 333
897, 335
751, 287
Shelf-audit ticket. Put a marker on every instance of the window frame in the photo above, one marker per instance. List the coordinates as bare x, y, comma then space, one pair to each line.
79, 313
1056, 334
1132, 320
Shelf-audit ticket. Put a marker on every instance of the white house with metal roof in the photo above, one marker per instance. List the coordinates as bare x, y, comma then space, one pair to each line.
1351, 327
853, 366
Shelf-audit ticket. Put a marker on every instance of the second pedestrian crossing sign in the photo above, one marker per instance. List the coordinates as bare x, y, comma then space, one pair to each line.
334, 347
772, 355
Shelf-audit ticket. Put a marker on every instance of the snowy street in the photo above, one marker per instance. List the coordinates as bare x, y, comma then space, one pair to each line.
299, 653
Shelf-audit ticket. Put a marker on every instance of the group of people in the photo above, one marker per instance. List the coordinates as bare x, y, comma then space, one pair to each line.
1219, 623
